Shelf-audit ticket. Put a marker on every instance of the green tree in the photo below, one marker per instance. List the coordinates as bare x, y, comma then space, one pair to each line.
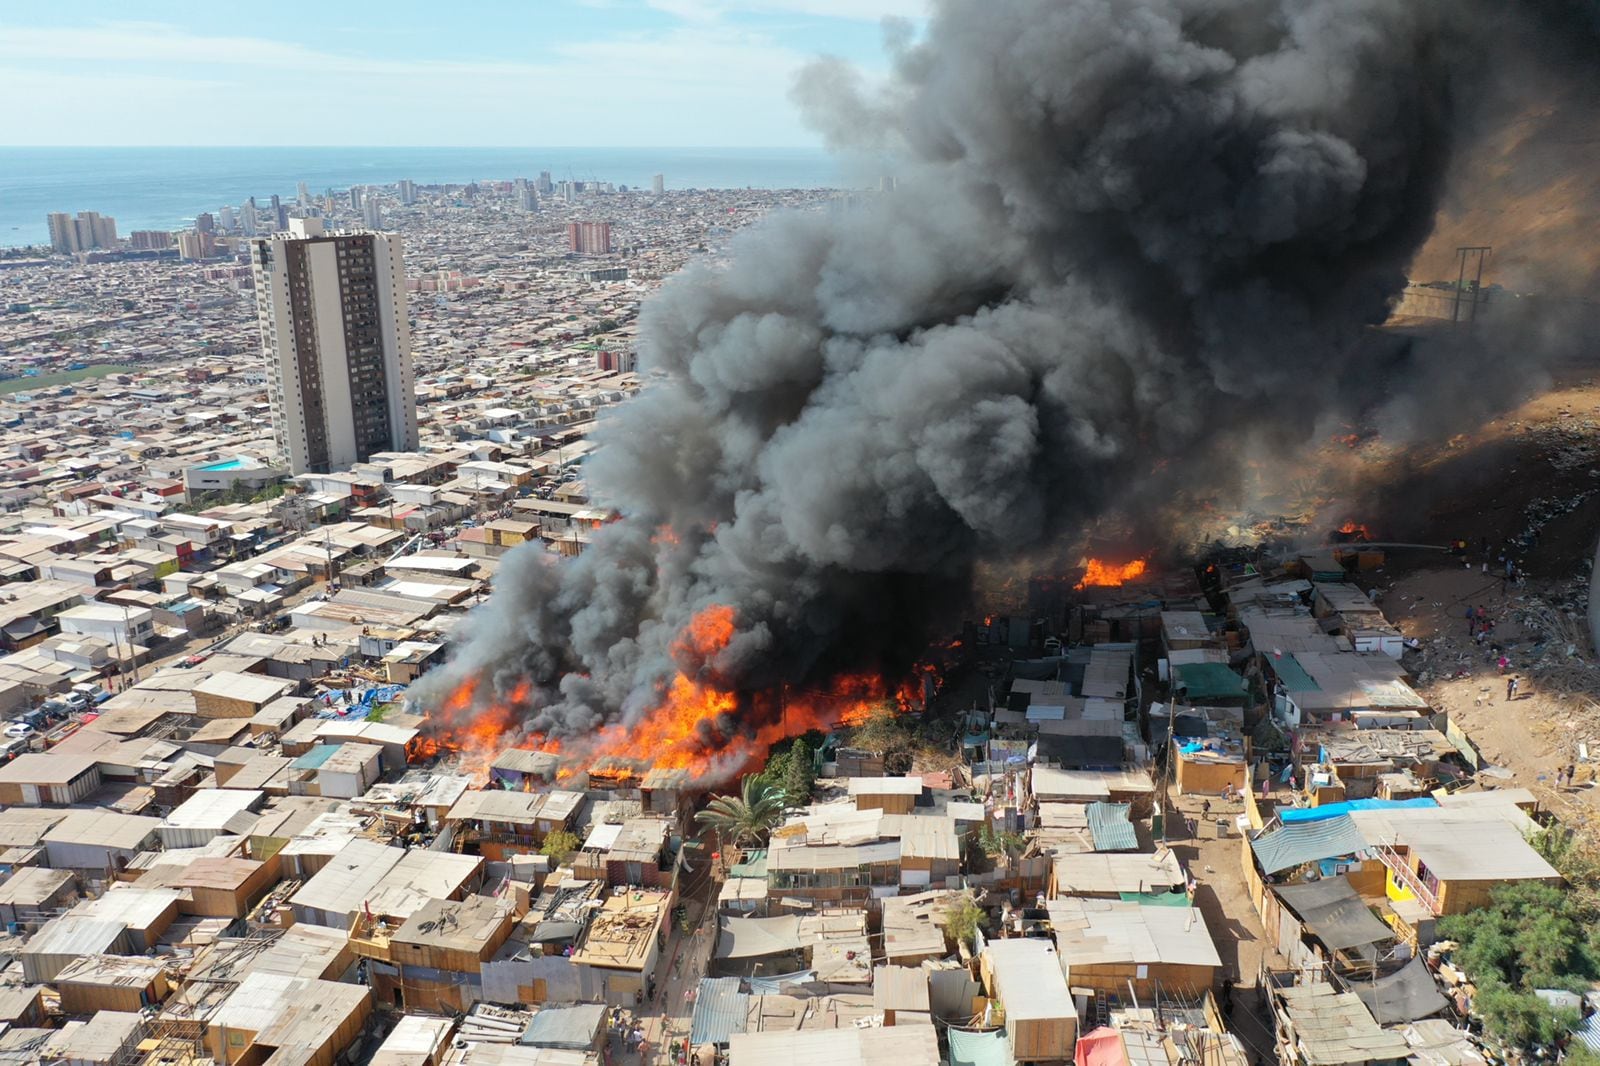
963, 919
799, 773
747, 818
559, 844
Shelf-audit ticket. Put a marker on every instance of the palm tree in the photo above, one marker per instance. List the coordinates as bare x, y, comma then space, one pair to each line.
747, 818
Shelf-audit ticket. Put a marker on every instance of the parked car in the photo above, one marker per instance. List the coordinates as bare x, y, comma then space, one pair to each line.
91, 693
75, 700
19, 730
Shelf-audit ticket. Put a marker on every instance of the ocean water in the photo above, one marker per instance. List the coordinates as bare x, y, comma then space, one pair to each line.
164, 188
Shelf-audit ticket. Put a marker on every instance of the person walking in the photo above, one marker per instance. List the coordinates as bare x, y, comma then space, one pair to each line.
1511, 688
1472, 620
1572, 772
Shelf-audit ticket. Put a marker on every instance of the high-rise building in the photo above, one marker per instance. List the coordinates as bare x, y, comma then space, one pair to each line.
63, 232
89, 230
569, 191
371, 213
658, 184
196, 244
408, 192
527, 196
355, 197
332, 310
146, 240
545, 185
304, 195
205, 223
249, 221
589, 238
227, 218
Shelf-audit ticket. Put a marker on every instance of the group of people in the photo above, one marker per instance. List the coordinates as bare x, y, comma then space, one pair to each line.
1565, 774
1480, 623
630, 1032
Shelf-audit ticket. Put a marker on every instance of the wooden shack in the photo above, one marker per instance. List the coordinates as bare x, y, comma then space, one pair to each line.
111, 982
1024, 975
891, 795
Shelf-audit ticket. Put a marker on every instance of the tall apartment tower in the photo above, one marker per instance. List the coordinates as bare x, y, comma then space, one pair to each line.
658, 184
332, 309
408, 192
371, 213
63, 233
589, 238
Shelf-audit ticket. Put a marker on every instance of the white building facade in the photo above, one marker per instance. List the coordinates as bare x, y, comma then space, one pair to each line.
332, 311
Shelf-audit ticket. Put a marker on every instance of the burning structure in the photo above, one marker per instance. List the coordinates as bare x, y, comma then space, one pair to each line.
1113, 227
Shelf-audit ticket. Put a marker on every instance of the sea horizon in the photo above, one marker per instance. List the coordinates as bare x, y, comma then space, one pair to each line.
165, 187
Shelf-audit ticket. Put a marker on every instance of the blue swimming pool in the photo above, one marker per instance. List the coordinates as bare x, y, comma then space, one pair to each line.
231, 464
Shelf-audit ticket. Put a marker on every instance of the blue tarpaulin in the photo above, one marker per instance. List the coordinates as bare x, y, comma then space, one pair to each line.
1291, 815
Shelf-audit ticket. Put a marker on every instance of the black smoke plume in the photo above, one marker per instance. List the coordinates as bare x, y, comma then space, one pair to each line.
1130, 240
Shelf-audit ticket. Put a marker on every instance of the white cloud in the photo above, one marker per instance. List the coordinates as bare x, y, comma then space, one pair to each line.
157, 84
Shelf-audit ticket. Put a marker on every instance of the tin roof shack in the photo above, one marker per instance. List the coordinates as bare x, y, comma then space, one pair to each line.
22, 1007
220, 887
1112, 947
111, 982
415, 1041
901, 992
210, 813
622, 943
1133, 787
41, 778
22, 831
519, 769
511, 823
1318, 1026
892, 795
1110, 875
1025, 976
312, 1022
1451, 860
832, 874
96, 843
107, 1039
65, 939
229, 695
388, 882
577, 1028
903, 1045
31, 891
1346, 611
1333, 686
349, 770
433, 961
633, 853
1351, 763
147, 912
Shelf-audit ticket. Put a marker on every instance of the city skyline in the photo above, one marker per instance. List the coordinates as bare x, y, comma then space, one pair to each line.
645, 73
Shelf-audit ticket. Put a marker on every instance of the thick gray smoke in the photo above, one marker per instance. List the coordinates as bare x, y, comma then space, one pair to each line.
1129, 238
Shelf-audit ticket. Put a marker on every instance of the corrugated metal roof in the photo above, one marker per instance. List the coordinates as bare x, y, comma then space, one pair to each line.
1303, 842
1110, 827
573, 1028
720, 1010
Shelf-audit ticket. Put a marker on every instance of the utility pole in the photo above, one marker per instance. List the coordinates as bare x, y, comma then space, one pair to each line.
1463, 254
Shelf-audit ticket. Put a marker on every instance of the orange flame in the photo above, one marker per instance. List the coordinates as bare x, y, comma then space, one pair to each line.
1098, 573
696, 725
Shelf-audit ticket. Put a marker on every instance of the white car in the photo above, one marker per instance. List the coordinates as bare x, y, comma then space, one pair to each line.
19, 729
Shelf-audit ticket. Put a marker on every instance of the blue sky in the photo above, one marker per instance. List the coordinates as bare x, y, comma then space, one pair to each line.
423, 72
